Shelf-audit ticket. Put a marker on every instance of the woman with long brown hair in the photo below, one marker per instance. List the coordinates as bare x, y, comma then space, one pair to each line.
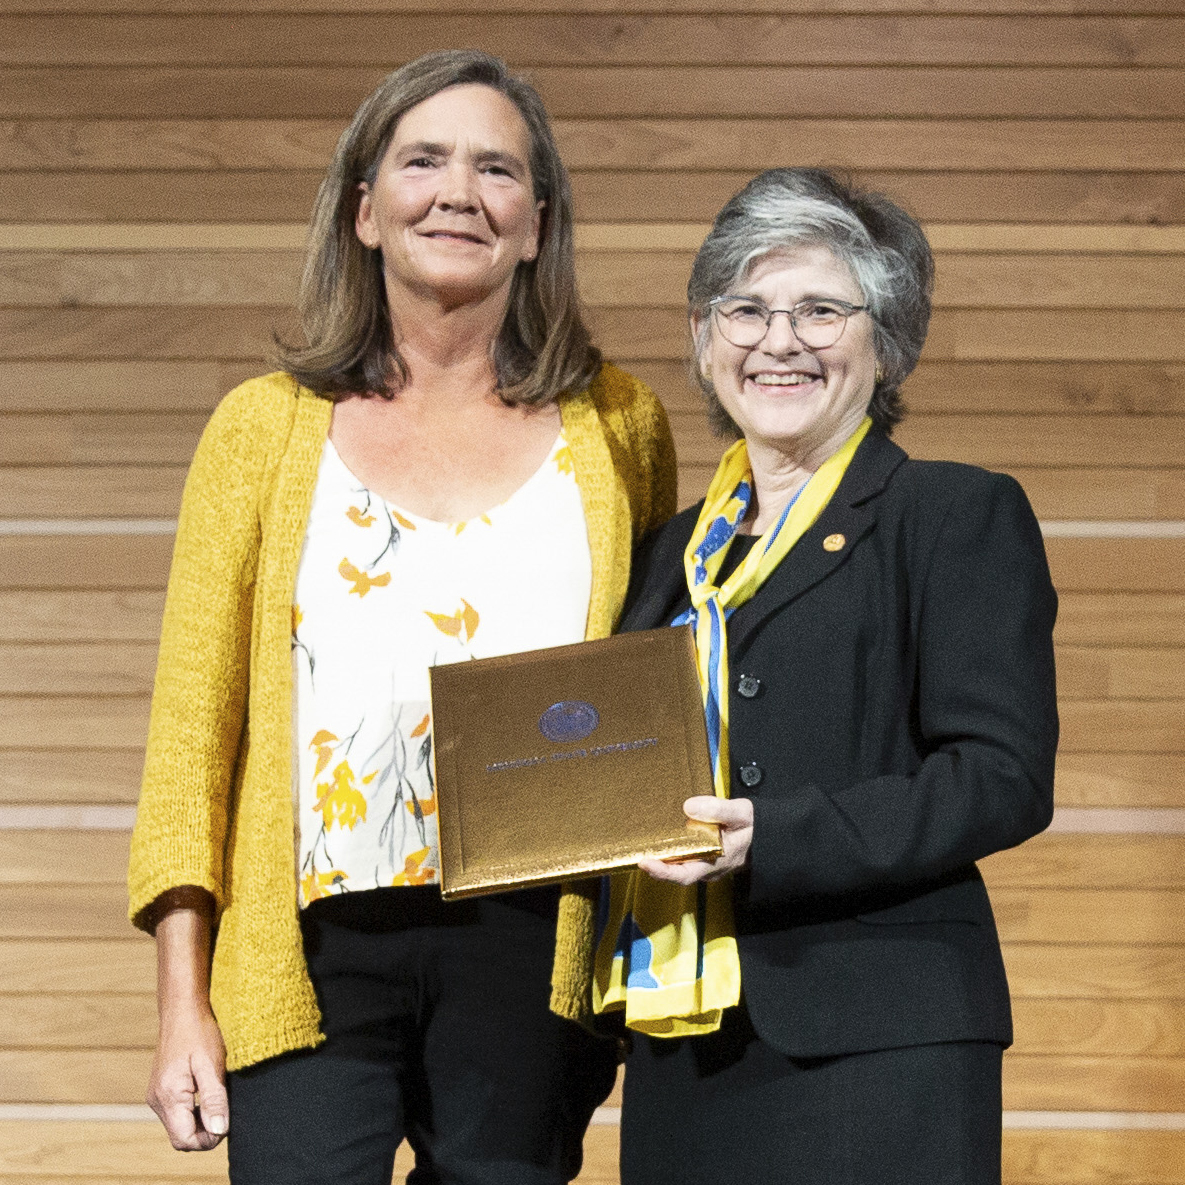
444, 469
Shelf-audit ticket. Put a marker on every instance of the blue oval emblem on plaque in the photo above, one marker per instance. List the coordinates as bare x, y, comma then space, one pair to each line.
569, 720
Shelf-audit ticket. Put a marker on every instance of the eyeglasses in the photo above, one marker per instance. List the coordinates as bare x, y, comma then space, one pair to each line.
816, 323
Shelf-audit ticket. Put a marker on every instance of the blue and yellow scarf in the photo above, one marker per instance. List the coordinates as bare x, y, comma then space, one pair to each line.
666, 953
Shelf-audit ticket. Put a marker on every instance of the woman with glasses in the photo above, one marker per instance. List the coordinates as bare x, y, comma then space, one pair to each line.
826, 1003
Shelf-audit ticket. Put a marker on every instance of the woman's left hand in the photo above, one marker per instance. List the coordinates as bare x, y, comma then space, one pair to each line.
735, 816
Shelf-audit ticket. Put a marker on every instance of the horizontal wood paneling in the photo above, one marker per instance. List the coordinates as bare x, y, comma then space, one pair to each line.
74, 722
95, 1021
780, 7
937, 387
306, 91
1090, 915
995, 441
127, 668
575, 39
38, 775
1043, 145
1056, 861
1122, 726
1036, 1083
154, 492
1092, 726
607, 278
601, 195
63, 857
141, 562
122, 966
1123, 619
1082, 1028
65, 1153
106, 491
1049, 970
37, 1151
1071, 1028
1110, 916
1121, 779
1031, 1082
1066, 861
627, 335
81, 617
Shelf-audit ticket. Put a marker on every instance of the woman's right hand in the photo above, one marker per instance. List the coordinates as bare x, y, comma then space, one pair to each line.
187, 1088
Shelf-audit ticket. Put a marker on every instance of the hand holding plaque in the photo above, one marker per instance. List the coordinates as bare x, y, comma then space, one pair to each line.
569, 762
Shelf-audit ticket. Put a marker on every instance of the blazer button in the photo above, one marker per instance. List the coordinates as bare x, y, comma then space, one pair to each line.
750, 775
748, 686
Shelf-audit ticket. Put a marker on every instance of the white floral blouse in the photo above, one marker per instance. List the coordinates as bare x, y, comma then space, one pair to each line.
381, 596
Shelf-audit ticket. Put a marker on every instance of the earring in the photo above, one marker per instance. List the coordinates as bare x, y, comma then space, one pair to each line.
880, 373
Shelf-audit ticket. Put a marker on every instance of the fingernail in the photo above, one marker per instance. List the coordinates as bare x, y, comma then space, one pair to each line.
217, 1125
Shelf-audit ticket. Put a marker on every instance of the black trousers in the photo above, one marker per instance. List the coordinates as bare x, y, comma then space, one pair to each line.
728, 1107
437, 1031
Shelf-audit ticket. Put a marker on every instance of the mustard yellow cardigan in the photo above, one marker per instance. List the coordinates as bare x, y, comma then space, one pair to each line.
216, 805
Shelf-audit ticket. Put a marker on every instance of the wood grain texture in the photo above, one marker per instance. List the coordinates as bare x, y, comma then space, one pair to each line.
81, 617
1117, 565
92, 491
64, 857
74, 722
628, 335
994, 441
77, 668
601, 195
1121, 779
936, 387
83, 1022
1098, 1028
85, 562
1093, 1157
575, 39
41, 776
1099, 972
154, 492
1068, 861
1122, 726
1038, 1083
304, 91
1094, 672
32, 1150
1122, 619
1044, 145
1073, 916
1090, 915
608, 278
68, 968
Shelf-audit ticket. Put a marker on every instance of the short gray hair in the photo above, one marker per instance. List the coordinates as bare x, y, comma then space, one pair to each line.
883, 246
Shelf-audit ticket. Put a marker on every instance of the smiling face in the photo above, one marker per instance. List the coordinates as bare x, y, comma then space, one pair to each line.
452, 208
801, 402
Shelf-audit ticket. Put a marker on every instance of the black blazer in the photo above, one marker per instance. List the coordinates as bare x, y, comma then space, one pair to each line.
902, 725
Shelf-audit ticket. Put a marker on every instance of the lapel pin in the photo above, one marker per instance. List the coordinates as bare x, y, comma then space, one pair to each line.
833, 542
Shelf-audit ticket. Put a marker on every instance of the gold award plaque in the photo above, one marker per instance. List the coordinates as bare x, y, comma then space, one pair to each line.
569, 762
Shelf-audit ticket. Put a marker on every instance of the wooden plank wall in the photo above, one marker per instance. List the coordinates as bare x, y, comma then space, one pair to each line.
157, 161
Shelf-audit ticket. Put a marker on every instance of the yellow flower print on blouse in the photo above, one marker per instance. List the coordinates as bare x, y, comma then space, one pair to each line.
314, 885
461, 625
563, 460
362, 582
413, 871
405, 523
324, 750
341, 801
359, 517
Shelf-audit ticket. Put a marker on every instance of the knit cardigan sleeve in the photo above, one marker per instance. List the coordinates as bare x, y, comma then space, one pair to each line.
200, 695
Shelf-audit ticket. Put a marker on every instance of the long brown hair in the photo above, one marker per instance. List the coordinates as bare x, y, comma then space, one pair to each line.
543, 347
